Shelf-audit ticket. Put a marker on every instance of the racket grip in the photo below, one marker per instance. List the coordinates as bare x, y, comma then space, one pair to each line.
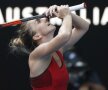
78, 7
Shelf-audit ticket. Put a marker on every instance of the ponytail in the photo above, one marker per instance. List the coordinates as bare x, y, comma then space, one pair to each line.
23, 42
16, 42
16, 46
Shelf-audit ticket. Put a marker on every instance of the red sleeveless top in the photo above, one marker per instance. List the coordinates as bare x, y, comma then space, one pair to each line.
54, 78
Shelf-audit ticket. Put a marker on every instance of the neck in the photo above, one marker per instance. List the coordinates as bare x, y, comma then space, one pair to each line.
46, 38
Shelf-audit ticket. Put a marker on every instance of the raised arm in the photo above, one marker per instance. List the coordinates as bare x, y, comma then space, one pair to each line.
62, 37
80, 28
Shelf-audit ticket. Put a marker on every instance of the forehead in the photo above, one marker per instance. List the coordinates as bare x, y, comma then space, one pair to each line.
33, 24
36, 21
31, 21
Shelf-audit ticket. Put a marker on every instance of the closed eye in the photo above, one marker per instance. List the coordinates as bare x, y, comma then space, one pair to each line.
37, 20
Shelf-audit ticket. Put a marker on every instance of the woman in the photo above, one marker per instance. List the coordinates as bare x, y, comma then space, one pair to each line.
47, 69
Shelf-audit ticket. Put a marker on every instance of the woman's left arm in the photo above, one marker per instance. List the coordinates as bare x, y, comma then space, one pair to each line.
80, 28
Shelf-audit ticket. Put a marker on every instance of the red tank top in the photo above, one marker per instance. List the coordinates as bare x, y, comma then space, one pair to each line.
54, 78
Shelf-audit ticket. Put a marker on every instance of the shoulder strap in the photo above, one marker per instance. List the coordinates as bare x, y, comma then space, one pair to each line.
60, 55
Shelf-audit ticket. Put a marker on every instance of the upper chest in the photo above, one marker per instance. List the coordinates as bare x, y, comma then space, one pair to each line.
58, 59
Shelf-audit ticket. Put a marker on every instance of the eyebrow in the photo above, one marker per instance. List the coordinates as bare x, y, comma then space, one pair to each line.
38, 20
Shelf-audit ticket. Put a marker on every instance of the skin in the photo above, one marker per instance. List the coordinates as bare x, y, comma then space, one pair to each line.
40, 57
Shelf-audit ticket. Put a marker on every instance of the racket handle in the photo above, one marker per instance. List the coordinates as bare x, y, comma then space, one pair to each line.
78, 7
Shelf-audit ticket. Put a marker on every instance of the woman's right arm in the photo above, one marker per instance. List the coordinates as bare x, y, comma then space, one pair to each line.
62, 37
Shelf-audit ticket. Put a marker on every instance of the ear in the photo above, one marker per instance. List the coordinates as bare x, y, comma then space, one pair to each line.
37, 37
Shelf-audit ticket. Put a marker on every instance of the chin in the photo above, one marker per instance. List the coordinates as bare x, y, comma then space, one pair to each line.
52, 31
53, 28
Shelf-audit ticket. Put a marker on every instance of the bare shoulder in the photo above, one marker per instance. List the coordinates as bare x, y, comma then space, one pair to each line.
39, 61
40, 51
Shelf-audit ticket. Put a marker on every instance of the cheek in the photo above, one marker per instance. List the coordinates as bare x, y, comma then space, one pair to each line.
42, 30
39, 28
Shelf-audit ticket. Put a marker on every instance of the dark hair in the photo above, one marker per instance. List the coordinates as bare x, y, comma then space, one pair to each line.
23, 42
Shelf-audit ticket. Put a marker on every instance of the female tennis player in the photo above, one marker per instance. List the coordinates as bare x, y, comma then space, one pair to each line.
46, 62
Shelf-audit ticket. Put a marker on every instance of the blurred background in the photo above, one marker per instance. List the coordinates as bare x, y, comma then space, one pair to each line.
87, 61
